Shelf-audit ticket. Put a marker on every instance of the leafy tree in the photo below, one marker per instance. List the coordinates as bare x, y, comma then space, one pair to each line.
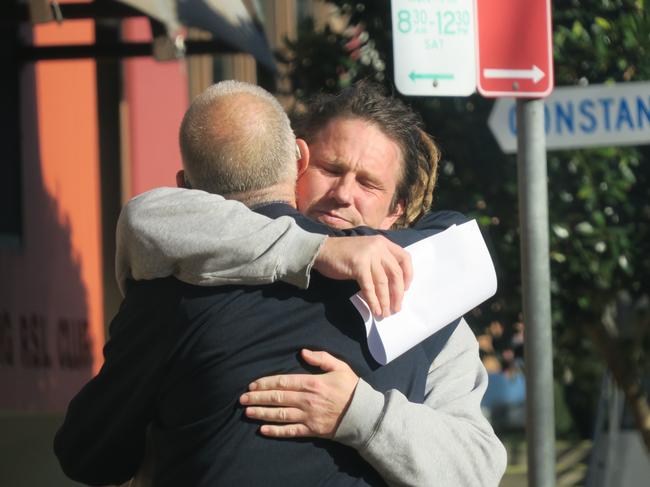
599, 199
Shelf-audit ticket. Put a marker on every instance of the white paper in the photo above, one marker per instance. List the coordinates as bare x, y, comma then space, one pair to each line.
452, 274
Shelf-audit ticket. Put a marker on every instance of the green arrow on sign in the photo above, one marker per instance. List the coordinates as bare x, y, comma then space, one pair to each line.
415, 76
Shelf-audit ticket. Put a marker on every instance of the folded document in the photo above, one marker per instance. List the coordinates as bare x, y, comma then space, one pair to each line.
452, 274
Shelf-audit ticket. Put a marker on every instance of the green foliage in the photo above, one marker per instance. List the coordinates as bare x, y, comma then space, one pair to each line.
599, 199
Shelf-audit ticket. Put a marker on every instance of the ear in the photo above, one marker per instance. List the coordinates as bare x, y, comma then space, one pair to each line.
180, 179
393, 216
302, 156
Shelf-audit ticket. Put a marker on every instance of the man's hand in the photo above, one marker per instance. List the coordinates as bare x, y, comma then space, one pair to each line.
382, 269
307, 405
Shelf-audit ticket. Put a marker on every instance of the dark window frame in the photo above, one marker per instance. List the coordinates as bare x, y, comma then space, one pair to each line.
11, 180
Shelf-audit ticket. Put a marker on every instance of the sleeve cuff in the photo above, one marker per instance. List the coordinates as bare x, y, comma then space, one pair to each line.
362, 417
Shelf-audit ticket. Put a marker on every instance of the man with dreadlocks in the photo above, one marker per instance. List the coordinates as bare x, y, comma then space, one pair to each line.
371, 164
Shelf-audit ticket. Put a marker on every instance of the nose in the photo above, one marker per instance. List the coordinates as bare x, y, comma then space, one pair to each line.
342, 190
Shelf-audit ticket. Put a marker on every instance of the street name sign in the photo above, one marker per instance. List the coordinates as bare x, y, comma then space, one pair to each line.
577, 117
434, 47
514, 48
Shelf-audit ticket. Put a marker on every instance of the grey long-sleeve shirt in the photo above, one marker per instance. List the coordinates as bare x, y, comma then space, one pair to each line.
205, 240
446, 441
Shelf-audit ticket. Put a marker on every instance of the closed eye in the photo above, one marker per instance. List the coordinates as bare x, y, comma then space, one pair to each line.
369, 184
331, 169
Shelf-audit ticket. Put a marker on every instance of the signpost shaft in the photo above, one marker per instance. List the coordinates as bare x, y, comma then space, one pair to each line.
535, 270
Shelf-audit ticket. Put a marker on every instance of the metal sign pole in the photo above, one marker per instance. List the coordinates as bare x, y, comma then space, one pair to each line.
535, 273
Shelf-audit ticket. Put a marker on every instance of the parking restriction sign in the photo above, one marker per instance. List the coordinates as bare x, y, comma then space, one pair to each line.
434, 47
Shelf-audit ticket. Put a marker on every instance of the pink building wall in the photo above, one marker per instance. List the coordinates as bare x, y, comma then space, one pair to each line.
52, 313
50, 287
157, 96
52, 322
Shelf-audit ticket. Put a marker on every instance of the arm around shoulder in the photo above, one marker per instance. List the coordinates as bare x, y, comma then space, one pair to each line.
203, 239
102, 438
446, 441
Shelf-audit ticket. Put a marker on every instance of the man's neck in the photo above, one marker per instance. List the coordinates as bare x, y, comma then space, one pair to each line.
274, 194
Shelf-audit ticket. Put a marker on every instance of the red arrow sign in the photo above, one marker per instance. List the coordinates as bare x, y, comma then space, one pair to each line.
514, 48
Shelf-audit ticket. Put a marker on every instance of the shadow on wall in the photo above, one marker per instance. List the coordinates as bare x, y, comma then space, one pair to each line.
46, 350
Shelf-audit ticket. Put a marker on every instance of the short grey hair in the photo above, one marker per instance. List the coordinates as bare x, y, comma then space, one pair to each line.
235, 138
